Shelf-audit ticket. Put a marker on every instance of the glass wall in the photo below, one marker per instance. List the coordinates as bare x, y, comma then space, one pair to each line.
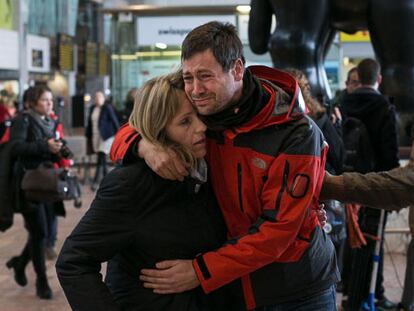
48, 17
144, 47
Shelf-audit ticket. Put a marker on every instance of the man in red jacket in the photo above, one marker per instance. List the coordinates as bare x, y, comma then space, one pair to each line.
266, 161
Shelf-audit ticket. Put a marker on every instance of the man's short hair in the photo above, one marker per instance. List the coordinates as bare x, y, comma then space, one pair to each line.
368, 71
221, 38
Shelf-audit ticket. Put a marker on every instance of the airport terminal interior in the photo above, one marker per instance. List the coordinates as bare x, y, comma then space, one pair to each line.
268, 85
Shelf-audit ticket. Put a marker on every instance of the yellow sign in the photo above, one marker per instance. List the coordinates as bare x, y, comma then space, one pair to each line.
6, 14
359, 36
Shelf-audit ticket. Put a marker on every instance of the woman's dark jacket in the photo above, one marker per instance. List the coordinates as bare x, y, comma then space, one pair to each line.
136, 220
30, 149
107, 123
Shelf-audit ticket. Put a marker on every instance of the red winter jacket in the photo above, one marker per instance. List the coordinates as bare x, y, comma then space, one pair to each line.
266, 175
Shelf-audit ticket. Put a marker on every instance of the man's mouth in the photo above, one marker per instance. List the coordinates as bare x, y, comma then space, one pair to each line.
201, 101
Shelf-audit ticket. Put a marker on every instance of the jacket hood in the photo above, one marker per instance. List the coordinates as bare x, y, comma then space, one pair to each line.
362, 101
285, 102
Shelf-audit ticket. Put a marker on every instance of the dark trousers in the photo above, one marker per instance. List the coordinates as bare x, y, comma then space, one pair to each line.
35, 223
101, 169
51, 226
322, 301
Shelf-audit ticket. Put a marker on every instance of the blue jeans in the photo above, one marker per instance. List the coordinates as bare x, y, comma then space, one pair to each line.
322, 301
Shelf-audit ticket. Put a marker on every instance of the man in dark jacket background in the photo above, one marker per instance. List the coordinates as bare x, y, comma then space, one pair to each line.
374, 110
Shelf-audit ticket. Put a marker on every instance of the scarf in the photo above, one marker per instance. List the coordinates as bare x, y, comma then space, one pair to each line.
46, 124
252, 100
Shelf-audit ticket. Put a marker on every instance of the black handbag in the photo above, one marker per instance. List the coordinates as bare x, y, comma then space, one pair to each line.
50, 185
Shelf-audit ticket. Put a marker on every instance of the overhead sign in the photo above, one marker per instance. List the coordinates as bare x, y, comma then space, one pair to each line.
9, 52
38, 54
172, 30
359, 36
65, 48
91, 65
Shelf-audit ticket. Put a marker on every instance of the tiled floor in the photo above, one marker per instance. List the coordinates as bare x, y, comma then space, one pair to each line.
15, 298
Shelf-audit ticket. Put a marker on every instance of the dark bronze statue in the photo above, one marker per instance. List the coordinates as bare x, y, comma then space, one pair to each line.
305, 30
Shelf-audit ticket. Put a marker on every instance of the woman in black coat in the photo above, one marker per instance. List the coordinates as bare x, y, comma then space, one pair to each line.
138, 219
100, 131
33, 138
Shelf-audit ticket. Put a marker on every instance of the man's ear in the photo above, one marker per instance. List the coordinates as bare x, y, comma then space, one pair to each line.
238, 69
379, 79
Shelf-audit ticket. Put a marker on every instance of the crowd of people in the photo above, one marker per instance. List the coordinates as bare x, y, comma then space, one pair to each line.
214, 203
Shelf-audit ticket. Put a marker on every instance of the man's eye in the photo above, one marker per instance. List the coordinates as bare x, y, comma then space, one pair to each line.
187, 79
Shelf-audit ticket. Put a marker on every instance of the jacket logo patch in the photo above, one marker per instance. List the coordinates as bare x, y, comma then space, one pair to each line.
300, 186
259, 163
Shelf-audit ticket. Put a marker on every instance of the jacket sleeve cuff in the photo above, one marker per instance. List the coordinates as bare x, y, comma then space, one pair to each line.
201, 272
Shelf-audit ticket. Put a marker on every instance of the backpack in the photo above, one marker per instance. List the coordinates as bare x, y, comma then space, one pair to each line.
359, 153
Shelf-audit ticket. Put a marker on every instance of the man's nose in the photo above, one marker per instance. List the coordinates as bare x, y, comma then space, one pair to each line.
198, 87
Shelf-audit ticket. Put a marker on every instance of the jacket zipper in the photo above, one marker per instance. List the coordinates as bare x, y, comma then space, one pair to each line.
283, 187
239, 186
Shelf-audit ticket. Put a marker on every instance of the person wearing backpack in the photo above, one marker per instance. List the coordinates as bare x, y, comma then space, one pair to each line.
370, 138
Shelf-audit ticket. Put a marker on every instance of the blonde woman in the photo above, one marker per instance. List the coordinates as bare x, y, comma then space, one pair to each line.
138, 219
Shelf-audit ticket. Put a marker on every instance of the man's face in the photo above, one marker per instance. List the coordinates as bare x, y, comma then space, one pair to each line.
209, 87
353, 82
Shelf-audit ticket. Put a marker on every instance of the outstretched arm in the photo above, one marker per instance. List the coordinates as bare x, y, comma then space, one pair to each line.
391, 190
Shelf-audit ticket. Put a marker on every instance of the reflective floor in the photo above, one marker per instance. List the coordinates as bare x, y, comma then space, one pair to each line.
15, 298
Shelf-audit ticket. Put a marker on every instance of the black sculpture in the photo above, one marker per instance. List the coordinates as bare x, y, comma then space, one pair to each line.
305, 30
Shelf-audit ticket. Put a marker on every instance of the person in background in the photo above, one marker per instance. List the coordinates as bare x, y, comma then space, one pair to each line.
34, 144
55, 209
100, 130
389, 190
377, 115
7, 113
351, 84
128, 106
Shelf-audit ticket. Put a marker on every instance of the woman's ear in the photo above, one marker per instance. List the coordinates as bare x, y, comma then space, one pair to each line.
238, 69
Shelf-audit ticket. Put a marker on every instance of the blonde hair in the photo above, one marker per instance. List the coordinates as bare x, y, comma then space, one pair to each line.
156, 104
316, 110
